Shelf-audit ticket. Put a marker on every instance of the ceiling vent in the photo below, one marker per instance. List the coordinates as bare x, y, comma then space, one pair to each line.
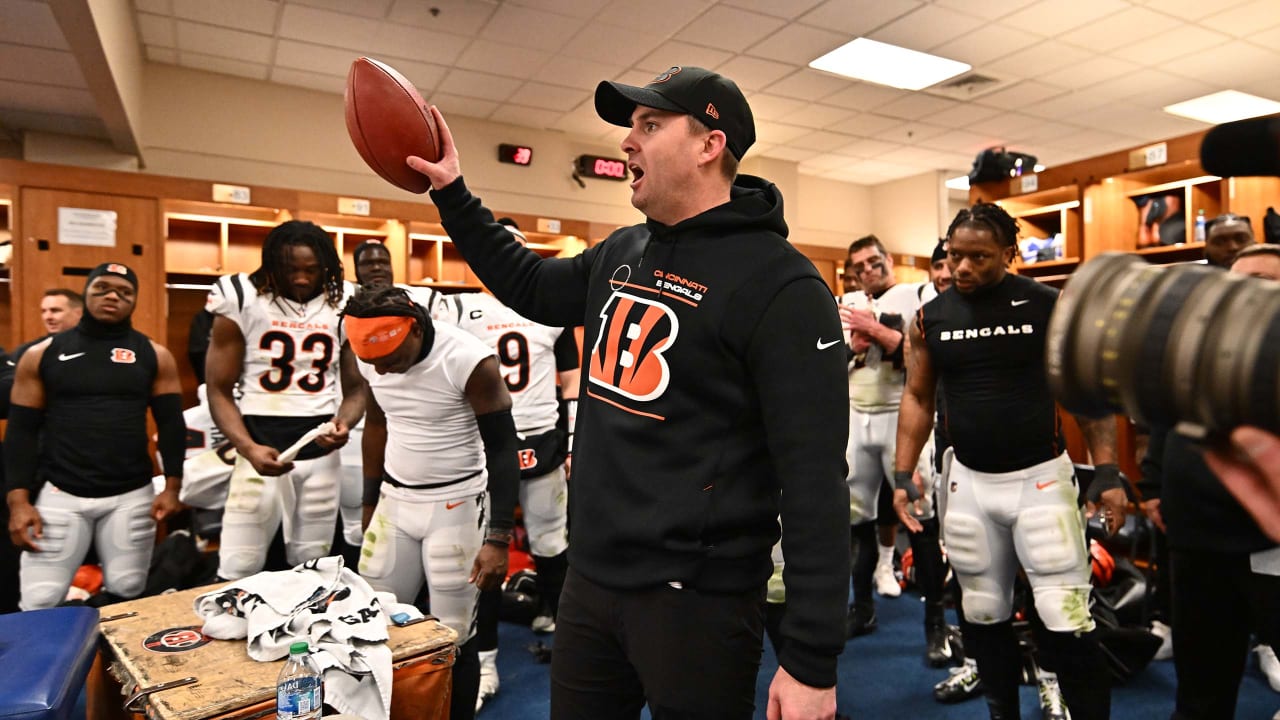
969, 86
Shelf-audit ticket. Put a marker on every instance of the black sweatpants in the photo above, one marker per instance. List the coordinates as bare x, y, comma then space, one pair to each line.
1218, 601
685, 653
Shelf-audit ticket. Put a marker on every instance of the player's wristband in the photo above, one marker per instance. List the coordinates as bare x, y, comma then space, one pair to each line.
902, 480
1105, 477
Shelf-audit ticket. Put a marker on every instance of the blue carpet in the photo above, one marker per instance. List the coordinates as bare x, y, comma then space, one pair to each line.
882, 675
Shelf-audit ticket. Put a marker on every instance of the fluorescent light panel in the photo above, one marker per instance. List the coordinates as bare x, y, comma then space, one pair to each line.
1225, 106
884, 64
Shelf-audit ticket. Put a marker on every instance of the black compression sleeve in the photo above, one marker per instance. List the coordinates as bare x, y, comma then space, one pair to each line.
171, 432
501, 450
22, 448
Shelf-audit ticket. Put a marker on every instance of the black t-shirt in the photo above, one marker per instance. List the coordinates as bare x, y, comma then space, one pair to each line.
987, 350
97, 391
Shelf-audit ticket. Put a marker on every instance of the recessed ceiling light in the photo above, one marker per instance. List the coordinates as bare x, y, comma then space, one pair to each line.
1225, 106
960, 182
884, 64
1039, 168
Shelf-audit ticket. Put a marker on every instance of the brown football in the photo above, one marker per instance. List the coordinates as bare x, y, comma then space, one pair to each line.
388, 121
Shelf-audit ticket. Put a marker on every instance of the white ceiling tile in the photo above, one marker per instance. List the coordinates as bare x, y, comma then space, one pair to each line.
30, 23
963, 115
47, 98
1047, 131
415, 43
157, 7
917, 157
809, 85
820, 140
1010, 124
925, 28
465, 17
818, 116
157, 31
984, 44
867, 148
729, 28
254, 15
574, 72
548, 97
223, 65
1120, 29
577, 8
1191, 9
459, 105
772, 107
612, 44
779, 133
502, 59
1067, 104
753, 73
1090, 72
759, 148
1185, 39
912, 133
376, 9
824, 163
857, 17
166, 56
916, 106
793, 154
963, 141
790, 9
664, 17
1228, 65
531, 28
867, 124
639, 78
1025, 93
674, 52
1266, 38
310, 80
478, 85
864, 96
1151, 87
799, 44
1053, 17
854, 176
1037, 60
989, 9
1089, 140
580, 123
323, 27
884, 170
222, 42
42, 66
525, 116
316, 59
1245, 19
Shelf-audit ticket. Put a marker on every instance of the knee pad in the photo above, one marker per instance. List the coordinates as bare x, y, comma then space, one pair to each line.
983, 607
42, 594
236, 564
968, 547
248, 494
1051, 540
127, 584
448, 566
1063, 608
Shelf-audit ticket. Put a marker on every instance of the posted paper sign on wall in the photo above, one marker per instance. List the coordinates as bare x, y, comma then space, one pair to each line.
80, 226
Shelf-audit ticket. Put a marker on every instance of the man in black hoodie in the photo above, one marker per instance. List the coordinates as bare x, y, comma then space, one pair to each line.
713, 401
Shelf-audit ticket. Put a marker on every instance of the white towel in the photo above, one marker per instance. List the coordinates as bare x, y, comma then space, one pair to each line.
328, 606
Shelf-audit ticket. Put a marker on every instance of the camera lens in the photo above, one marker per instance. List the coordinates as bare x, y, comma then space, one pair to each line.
1185, 344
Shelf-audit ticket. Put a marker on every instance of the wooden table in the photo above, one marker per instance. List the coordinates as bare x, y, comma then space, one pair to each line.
160, 642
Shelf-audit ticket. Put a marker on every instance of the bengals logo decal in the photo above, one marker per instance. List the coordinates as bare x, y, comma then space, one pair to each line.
528, 459
176, 640
123, 355
627, 355
118, 269
663, 77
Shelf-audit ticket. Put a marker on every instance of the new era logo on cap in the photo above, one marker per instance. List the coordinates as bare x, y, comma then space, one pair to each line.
704, 95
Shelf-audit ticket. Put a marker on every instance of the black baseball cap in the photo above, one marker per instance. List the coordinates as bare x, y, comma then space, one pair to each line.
713, 99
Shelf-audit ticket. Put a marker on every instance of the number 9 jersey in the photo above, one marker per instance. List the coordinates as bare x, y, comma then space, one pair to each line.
291, 366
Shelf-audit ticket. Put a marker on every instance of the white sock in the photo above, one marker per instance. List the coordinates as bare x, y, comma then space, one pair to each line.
886, 555
488, 657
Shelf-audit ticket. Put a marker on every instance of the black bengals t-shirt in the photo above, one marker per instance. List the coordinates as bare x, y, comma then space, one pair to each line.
988, 350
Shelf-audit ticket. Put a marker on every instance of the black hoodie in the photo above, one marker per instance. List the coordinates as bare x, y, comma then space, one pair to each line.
713, 399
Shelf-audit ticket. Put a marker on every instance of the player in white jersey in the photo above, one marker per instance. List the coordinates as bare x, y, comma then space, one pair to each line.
532, 357
438, 436
373, 269
276, 332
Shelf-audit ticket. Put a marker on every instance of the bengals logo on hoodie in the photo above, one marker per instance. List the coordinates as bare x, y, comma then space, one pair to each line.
627, 354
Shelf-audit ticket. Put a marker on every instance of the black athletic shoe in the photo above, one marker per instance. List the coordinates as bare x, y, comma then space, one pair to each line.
938, 650
962, 684
862, 619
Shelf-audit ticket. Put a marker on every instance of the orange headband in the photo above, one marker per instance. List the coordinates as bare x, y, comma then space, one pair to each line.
375, 337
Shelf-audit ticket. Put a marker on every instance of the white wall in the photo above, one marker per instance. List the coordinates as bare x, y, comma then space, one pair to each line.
832, 213
909, 213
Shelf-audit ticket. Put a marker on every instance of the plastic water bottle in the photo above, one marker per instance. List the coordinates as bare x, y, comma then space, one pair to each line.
1201, 223
300, 687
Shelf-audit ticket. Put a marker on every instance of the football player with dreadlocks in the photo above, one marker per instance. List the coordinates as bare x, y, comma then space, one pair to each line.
1011, 492
441, 470
276, 333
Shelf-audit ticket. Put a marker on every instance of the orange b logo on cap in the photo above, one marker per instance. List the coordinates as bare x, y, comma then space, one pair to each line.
663, 77
118, 269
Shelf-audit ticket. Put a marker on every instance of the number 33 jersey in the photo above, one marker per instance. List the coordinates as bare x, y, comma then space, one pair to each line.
291, 349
